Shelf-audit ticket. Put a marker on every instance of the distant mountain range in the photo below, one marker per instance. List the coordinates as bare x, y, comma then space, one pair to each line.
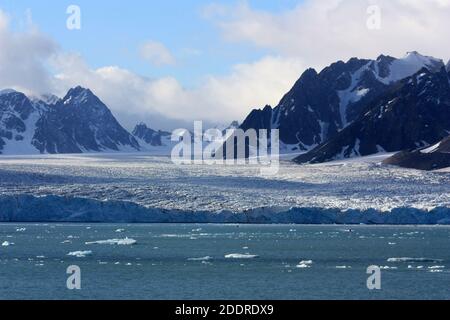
362, 107
354, 108
77, 123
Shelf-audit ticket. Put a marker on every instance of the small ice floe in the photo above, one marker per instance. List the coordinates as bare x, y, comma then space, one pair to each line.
200, 259
436, 267
240, 256
80, 254
6, 244
21, 229
126, 242
304, 264
119, 242
66, 241
388, 268
343, 267
436, 271
392, 243
197, 230
413, 260
120, 230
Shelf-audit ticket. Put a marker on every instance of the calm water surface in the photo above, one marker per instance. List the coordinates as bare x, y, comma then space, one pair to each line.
194, 262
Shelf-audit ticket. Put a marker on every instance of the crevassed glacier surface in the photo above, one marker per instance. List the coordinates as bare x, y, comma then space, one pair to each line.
146, 188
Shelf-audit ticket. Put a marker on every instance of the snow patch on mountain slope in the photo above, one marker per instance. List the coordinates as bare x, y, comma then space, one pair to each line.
352, 94
409, 65
164, 150
398, 69
432, 148
23, 146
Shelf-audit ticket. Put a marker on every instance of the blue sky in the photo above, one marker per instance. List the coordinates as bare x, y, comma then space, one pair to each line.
113, 30
216, 68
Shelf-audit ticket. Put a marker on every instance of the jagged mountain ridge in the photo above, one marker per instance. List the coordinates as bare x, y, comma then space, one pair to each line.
79, 122
414, 113
322, 104
149, 136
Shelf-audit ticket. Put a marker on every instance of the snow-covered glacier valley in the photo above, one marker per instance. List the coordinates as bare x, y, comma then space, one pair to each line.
145, 188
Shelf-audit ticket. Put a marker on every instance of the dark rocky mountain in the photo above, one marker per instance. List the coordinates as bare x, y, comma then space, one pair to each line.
149, 136
78, 123
322, 104
414, 113
431, 158
18, 116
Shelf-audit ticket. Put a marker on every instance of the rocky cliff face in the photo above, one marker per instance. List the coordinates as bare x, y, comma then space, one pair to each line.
412, 114
321, 104
79, 122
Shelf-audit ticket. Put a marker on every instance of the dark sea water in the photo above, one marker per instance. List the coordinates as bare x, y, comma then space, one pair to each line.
169, 262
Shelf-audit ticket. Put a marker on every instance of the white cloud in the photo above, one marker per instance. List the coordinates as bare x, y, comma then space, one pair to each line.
26, 59
314, 33
22, 58
320, 32
156, 53
217, 99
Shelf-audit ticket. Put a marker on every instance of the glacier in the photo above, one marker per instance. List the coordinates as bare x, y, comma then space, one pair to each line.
144, 188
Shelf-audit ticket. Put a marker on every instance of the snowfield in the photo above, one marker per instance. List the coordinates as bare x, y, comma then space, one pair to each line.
147, 188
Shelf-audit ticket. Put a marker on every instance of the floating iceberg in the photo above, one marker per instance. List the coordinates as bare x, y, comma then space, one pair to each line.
6, 244
241, 256
80, 254
413, 260
200, 259
303, 266
119, 242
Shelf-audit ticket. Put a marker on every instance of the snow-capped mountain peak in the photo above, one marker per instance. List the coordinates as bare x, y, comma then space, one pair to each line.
79, 95
321, 105
80, 122
411, 63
